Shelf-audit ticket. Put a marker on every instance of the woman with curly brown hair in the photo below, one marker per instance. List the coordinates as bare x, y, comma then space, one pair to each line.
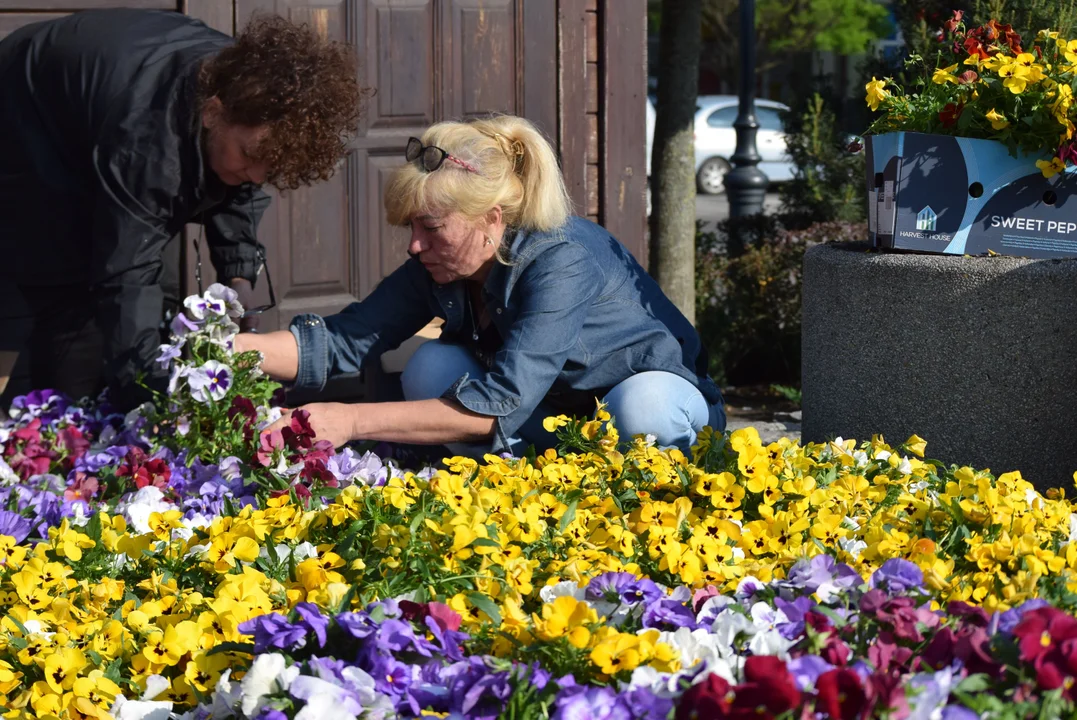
544, 312
117, 128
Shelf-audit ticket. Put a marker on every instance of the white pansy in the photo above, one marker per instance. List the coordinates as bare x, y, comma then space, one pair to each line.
124, 709
853, 546
883, 455
272, 415
198, 521
770, 642
196, 306
179, 372
137, 510
712, 607
850, 523
226, 697
1073, 531
7, 475
696, 646
765, 618
727, 627
905, 468
155, 685
223, 300
78, 518
282, 551
268, 674
929, 695
1033, 499
324, 700
827, 592
748, 586
565, 588
198, 551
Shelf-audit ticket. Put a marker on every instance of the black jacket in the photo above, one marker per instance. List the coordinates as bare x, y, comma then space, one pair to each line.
101, 163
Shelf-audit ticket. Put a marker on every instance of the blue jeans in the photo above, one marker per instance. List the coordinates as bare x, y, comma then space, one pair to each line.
650, 403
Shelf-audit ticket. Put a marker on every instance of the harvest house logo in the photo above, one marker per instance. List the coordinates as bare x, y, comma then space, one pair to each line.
926, 219
926, 223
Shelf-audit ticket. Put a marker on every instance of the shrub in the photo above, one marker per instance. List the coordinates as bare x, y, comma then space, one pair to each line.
748, 302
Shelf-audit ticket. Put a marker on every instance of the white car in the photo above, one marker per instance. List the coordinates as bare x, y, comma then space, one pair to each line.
716, 140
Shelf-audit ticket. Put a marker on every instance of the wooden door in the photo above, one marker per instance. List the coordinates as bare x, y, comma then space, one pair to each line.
428, 60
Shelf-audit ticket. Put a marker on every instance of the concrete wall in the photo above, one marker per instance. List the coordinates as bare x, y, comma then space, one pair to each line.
976, 355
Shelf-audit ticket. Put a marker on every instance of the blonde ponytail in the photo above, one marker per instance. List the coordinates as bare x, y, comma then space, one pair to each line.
514, 168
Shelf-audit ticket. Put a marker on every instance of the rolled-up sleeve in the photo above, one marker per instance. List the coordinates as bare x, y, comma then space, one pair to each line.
555, 290
399, 307
232, 234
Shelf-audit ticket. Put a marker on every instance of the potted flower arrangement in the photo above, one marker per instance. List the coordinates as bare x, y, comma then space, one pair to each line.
976, 158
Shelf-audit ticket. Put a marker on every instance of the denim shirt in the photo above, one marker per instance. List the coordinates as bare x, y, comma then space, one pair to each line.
576, 311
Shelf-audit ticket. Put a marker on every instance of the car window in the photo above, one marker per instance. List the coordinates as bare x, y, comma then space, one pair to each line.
769, 119
723, 117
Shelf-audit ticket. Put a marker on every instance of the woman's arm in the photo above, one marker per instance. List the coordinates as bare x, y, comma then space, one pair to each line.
417, 422
279, 350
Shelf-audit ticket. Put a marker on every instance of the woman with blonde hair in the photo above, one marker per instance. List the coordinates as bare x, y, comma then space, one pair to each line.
544, 312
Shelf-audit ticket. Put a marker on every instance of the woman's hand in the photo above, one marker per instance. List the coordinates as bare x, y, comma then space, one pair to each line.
280, 353
334, 422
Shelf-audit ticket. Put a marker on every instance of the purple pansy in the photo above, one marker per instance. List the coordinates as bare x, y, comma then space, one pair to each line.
274, 632
210, 380
897, 576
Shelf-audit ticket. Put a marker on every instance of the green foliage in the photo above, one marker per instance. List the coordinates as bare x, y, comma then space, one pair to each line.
829, 181
785, 27
748, 284
792, 394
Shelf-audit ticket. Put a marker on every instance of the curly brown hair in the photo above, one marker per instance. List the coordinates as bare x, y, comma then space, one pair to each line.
302, 86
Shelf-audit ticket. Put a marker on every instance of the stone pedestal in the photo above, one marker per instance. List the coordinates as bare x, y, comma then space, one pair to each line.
977, 355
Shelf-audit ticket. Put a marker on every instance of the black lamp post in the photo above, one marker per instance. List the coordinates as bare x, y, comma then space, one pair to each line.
746, 185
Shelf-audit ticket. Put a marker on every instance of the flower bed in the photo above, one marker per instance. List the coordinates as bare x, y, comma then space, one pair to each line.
174, 556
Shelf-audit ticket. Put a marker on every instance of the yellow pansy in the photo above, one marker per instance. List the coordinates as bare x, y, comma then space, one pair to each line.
1051, 167
944, 75
997, 119
876, 93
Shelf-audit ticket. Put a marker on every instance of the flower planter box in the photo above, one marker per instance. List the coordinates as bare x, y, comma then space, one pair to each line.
960, 196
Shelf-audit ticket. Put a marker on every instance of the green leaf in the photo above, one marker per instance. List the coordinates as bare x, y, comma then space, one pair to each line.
19, 625
233, 647
974, 683
569, 516
488, 606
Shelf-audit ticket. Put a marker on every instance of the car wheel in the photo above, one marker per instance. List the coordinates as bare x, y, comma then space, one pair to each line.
711, 176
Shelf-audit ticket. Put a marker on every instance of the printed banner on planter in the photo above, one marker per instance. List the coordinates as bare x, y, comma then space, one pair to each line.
960, 196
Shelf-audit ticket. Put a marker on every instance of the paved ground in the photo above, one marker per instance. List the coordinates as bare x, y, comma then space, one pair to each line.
782, 425
715, 208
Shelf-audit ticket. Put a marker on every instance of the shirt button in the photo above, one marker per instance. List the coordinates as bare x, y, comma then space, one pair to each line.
499, 311
449, 304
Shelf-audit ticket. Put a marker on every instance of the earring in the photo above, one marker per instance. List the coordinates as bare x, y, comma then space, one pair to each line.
487, 242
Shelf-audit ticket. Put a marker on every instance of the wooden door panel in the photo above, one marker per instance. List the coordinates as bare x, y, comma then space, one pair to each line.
481, 57
397, 59
384, 247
